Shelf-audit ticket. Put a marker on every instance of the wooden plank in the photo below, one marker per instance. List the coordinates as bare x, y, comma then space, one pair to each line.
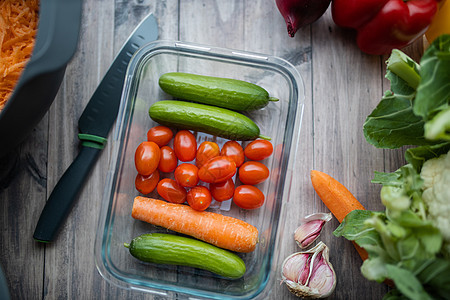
346, 85
23, 188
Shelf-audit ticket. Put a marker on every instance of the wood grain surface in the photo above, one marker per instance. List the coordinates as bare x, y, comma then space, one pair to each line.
342, 87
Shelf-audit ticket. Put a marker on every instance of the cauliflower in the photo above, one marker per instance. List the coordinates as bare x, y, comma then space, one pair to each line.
436, 194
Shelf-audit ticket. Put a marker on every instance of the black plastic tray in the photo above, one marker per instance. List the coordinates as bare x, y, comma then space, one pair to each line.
56, 43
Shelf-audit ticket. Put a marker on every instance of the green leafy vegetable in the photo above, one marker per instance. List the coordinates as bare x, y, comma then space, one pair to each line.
439, 127
417, 156
393, 124
407, 283
435, 276
433, 92
415, 110
409, 243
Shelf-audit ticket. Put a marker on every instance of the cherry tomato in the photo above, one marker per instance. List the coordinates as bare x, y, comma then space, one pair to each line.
258, 150
222, 191
253, 172
171, 191
185, 145
147, 158
217, 169
248, 197
199, 198
168, 161
234, 150
161, 135
186, 175
146, 184
205, 152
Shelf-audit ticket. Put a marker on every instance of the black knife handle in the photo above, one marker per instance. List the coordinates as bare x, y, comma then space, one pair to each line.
64, 194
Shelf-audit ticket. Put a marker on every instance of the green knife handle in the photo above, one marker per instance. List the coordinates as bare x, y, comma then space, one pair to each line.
64, 194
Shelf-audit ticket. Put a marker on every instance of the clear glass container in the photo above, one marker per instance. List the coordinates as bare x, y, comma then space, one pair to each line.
279, 120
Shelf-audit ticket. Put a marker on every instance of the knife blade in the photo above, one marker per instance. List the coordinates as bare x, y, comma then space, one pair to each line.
94, 125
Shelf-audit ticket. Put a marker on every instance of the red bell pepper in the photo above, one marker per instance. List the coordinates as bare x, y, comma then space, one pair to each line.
383, 25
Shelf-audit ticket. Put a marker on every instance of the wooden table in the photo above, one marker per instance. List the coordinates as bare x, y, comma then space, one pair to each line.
342, 87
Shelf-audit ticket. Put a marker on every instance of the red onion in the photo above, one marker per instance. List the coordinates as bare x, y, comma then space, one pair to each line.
299, 13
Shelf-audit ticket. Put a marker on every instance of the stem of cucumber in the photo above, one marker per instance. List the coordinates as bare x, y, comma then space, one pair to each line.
267, 138
126, 245
273, 99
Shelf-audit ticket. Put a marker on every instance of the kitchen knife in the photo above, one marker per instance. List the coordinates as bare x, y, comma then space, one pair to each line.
94, 126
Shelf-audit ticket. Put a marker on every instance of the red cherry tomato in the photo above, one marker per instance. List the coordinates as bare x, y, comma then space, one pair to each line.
253, 172
147, 158
205, 152
199, 198
161, 135
185, 145
258, 150
217, 169
168, 161
146, 184
222, 191
248, 197
171, 191
186, 175
234, 150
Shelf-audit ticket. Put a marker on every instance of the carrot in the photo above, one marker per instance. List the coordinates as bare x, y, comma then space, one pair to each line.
222, 231
18, 27
334, 195
339, 200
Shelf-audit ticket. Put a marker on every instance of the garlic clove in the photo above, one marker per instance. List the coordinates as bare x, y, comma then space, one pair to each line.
310, 229
294, 268
310, 274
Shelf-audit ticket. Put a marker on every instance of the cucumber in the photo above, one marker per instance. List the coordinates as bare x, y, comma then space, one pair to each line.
205, 118
162, 248
223, 92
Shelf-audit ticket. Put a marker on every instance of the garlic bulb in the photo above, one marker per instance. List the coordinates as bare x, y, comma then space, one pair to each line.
310, 229
309, 274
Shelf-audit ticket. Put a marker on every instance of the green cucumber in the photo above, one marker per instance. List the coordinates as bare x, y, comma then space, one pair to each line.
223, 92
162, 248
205, 118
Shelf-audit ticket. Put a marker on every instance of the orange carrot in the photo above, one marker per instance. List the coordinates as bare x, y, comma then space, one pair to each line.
334, 195
222, 231
339, 200
363, 253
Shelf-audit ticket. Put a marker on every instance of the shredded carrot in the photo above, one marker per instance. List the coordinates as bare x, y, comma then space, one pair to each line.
219, 230
339, 200
18, 27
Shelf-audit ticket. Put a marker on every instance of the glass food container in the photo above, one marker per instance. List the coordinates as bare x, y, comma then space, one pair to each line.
279, 120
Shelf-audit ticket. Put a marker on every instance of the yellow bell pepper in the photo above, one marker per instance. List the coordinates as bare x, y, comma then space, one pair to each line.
440, 23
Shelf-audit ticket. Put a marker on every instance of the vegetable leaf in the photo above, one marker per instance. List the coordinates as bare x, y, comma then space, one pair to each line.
433, 93
416, 110
394, 294
392, 123
407, 283
438, 128
436, 277
406, 70
353, 228
374, 269
417, 156
392, 179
